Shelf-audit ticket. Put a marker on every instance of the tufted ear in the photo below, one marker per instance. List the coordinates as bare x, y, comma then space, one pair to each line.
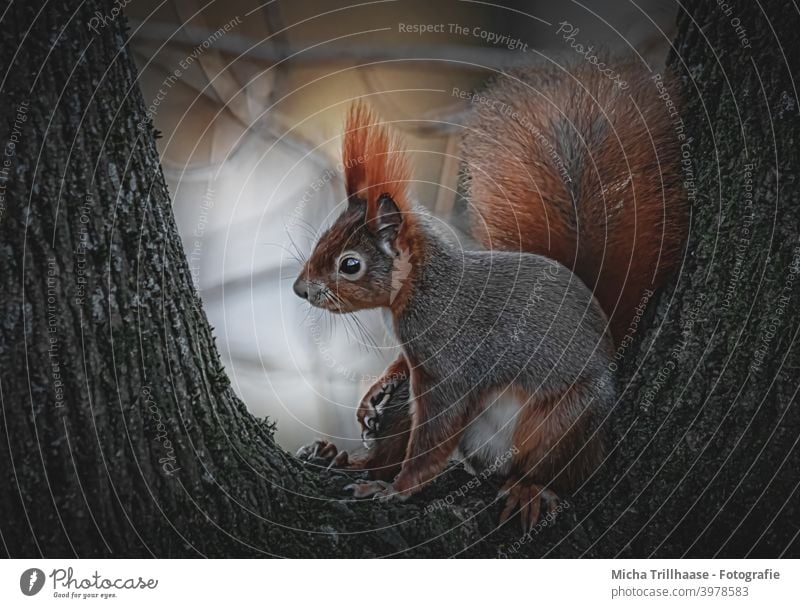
386, 223
356, 203
377, 173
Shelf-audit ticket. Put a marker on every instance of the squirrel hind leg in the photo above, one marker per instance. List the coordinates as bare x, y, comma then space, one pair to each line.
385, 457
555, 449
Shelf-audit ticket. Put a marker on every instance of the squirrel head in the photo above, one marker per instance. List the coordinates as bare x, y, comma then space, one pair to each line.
366, 258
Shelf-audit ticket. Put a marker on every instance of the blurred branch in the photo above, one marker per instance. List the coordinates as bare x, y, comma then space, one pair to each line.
466, 57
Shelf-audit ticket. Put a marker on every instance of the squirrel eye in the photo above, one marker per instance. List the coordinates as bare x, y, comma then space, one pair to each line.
350, 265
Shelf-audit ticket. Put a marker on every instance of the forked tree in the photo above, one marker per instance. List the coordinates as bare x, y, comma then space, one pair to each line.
121, 435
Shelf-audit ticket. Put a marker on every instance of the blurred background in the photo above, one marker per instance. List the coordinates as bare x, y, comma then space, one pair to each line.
250, 97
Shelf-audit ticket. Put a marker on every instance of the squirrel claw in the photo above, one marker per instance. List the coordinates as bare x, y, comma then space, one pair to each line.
526, 500
325, 451
368, 437
319, 448
371, 408
367, 489
341, 460
375, 489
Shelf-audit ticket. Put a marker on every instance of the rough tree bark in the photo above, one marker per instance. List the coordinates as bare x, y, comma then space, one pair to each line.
121, 436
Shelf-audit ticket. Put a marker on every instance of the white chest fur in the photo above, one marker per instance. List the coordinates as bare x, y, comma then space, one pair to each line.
487, 443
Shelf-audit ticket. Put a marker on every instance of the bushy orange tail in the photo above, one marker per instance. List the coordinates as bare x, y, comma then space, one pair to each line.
572, 166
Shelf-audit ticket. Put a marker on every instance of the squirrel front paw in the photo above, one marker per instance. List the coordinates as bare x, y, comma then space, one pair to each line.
375, 489
370, 410
324, 453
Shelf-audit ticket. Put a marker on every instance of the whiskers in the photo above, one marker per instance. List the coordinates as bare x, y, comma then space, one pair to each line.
298, 255
295, 253
353, 326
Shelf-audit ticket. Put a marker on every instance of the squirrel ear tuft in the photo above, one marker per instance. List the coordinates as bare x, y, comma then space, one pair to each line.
356, 202
375, 160
385, 225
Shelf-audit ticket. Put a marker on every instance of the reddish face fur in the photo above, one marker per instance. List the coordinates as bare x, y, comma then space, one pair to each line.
334, 290
351, 266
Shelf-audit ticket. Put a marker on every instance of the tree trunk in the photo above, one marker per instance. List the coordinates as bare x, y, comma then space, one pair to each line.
121, 436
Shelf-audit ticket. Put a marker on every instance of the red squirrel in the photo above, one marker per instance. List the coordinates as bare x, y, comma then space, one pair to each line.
573, 192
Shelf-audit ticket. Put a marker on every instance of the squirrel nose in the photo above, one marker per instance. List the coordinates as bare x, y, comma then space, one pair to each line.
301, 288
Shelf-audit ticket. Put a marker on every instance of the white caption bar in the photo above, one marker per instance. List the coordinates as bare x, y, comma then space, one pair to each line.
367, 583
